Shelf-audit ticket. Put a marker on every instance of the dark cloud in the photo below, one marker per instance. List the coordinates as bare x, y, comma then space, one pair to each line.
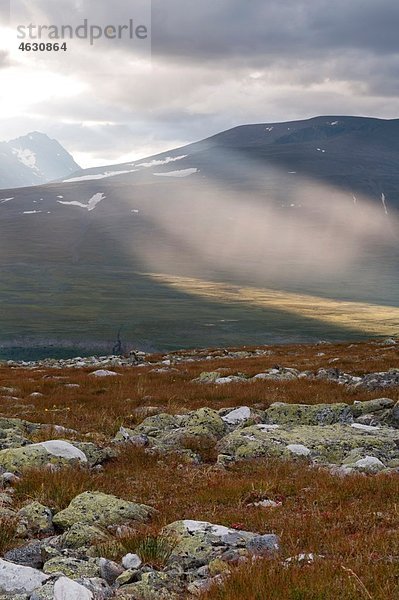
215, 64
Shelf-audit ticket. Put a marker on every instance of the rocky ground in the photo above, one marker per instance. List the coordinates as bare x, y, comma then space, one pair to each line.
248, 473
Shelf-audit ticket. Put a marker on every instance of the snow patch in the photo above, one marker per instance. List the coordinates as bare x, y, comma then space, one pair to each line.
2, 200
98, 176
31, 212
91, 205
165, 161
181, 173
26, 157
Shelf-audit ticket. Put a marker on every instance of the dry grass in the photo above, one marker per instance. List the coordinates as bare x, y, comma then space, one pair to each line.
55, 488
8, 533
101, 406
353, 522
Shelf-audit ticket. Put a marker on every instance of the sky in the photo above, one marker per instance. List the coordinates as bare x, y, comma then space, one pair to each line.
204, 67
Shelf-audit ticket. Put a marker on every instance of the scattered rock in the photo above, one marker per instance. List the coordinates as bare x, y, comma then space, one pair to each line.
17, 579
96, 508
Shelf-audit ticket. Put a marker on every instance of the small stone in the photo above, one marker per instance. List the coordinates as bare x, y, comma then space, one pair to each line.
262, 545
131, 561
298, 449
128, 576
109, 570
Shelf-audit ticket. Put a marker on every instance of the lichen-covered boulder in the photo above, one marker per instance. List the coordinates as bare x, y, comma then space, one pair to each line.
96, 508
14, 432
74, 568
55, 452
208, 377
17, 579
35, 518
205, 420
200, 542
152, 586
309, 414
326, 444
81, 535
156, 424
371, 406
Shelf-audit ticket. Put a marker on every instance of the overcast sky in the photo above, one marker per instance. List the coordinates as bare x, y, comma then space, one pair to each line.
214, 64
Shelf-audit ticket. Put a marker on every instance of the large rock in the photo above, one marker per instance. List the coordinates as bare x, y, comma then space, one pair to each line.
67, 589
17, 579
81, 535
205, 420
55, 452
72, 567
309, 414
96, 508
326, 444
200, 542
156, 424
35, 518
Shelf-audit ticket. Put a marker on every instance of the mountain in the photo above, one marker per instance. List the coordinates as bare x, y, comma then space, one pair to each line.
33, 159
354, 153
305, 208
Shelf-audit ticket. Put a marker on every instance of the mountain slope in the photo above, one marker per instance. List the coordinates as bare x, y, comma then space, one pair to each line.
356, 153
308, 208
33, 159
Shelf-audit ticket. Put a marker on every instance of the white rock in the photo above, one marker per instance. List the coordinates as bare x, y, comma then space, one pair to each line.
222, 380
364, 427
67, 589
298, 449
266, 504
62, 449
104, 373
267, 427
17, 579
237, 416
131, 561
218, 530
369, 462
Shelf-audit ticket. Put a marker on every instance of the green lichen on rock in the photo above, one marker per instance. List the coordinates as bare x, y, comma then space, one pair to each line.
81, 535
35, 518
54, 452
327, 444
74, 568
157, 424
152, 586
96, 508
309, 414
205, 420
